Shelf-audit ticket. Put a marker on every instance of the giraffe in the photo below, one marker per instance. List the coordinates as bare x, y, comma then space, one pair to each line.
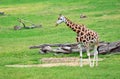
85, 37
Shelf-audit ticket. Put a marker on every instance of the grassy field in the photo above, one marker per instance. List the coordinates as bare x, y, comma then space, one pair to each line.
102, 16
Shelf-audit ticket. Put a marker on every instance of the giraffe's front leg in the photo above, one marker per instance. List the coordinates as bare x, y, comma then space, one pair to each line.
88, 54
80, 51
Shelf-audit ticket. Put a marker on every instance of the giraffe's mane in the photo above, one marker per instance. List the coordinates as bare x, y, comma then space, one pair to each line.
75, 23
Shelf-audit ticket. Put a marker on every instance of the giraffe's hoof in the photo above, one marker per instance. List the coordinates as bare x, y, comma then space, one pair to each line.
81, 65
91, 66
96, 65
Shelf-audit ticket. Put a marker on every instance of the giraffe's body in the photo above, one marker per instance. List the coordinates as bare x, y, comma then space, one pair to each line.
84, 37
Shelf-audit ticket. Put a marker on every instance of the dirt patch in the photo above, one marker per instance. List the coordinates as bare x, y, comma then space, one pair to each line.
45, 65
51, 62
60, 60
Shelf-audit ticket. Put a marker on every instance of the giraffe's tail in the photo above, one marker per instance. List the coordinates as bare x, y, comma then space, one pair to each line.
98, 49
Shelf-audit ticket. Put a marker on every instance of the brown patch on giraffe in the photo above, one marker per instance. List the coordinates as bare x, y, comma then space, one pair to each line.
91, 41
86, 30
82, 33
77, 31
76, 26
77, 39
72, 27
88, 33
67, 24
74, 30
81, 38
92, 38
73, 24
87, 38
79, 27
83, 29
70, 22
84, 40
93, 35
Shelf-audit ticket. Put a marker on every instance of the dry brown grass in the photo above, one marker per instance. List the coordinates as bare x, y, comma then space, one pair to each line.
51, 62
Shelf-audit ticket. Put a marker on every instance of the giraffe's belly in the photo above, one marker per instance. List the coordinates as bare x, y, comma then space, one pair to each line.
87, 39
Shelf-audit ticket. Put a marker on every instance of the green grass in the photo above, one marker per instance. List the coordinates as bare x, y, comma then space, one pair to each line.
107, 69
102, 16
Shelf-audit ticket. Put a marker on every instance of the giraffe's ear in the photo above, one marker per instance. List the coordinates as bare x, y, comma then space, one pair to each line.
60, 14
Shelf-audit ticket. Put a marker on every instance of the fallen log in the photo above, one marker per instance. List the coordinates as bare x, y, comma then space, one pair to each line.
17, 27
52, 45
104, 48
25, 26
108, 48
83, 16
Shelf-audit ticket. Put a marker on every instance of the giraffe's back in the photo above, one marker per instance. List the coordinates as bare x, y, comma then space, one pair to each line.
86, 36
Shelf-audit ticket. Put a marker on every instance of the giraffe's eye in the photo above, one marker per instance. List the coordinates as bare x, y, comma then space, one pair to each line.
59, 18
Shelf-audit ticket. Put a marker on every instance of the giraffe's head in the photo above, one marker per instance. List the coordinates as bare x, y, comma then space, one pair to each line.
61, 19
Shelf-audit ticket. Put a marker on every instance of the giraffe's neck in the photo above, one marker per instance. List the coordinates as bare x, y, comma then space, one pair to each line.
75, 27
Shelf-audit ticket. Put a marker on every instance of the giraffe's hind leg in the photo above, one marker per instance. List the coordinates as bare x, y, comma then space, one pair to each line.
95, 59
